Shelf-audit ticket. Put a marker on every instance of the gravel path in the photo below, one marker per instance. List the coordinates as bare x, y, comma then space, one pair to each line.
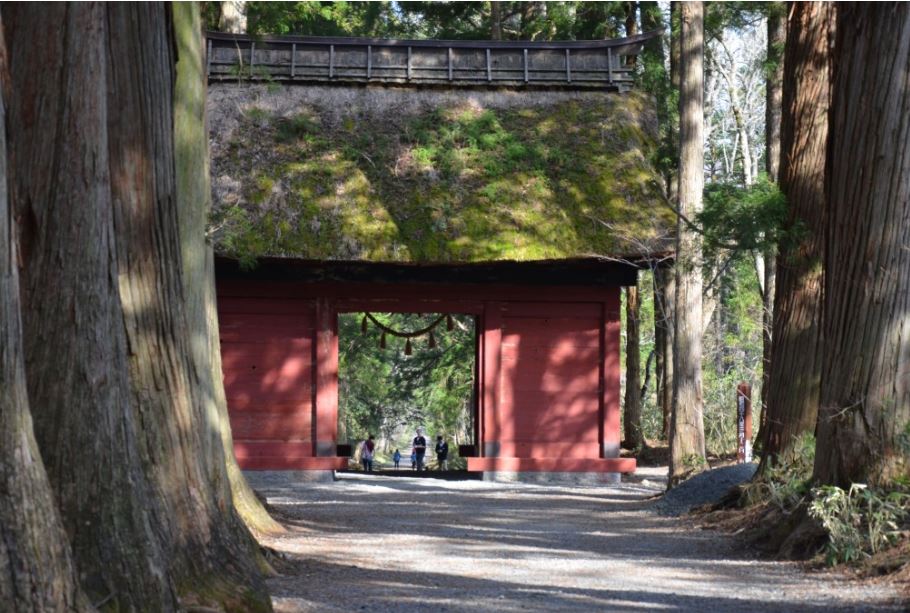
377, 543
703, 488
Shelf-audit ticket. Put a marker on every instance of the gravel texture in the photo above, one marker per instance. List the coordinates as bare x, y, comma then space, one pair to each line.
706, 487
373, 543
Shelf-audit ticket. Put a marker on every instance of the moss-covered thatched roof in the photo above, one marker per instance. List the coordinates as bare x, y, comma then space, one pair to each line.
459, 180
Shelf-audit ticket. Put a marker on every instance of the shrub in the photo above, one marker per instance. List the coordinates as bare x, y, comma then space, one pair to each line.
859, 521
786, 482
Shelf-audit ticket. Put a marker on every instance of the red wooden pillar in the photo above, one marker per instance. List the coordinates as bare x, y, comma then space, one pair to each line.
325, 403
610, 344
489, 444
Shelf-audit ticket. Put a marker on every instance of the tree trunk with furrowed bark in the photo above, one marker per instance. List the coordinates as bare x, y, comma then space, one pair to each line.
75, 348
777, 36
864, 411
194, 198
687, 431
123, 409
212, 553
793, 385
36, 568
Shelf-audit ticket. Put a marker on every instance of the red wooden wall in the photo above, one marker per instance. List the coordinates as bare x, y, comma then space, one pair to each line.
267, 358
548, 369
551, 387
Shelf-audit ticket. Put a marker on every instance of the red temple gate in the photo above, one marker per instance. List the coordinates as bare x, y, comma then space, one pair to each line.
547, 359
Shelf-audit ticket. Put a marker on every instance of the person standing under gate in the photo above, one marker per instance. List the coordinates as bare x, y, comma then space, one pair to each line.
420, 448
366, 454
442, 453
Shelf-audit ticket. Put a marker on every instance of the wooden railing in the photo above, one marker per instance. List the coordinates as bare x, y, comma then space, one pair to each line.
575, 64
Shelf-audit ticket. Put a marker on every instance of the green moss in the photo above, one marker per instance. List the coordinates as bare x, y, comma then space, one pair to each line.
256, 114
454, 184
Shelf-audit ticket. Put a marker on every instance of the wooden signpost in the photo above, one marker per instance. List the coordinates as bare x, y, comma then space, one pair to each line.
744, 423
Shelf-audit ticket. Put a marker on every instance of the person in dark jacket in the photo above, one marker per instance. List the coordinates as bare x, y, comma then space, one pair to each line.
366, 454
442, 453
420, 448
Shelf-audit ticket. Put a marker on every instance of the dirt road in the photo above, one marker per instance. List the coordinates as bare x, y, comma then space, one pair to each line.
378, 543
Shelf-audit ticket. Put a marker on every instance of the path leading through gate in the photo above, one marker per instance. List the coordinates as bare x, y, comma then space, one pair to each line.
374, 543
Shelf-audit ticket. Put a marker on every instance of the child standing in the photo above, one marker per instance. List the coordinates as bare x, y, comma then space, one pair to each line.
396, 458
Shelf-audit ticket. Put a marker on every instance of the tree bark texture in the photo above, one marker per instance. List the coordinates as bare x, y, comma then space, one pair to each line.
864, 413
687, 432
631, 9
233, 16
632, 410
212, 553
777, 37
75, 348
664, 308
496, 20
194, 204
793, 387
36, 566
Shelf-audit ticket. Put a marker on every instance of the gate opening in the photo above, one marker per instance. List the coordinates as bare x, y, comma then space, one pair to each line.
398, 372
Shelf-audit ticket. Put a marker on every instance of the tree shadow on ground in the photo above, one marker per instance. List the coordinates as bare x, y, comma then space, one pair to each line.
397, 544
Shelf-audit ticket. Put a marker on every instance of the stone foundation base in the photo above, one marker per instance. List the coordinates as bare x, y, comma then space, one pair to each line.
554, 478
285, 478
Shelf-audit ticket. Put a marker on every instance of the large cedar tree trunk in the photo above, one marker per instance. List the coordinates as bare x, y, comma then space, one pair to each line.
777, 36
793, 388
194, 204
864, 413
147, 507
212, 554
75, 348
687, 431
632, 410
36, 568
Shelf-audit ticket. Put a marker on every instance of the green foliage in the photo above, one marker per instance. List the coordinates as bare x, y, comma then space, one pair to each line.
734, 15
440, 20
859, 521
733, 349
378, 19
389, 394
742, 219
652, 77
786, 482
